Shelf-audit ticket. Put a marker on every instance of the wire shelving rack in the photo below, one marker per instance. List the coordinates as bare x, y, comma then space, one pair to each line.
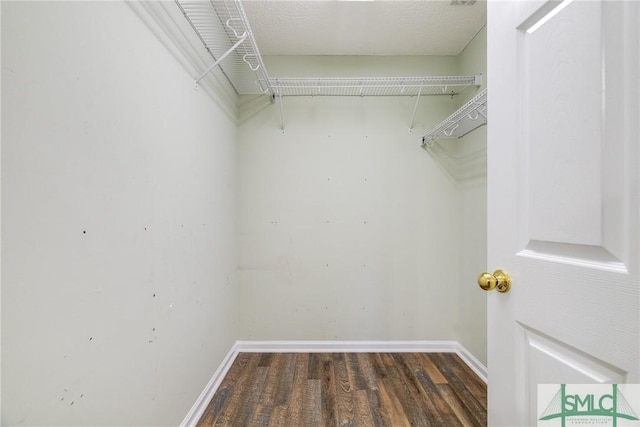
223, 28
470, 116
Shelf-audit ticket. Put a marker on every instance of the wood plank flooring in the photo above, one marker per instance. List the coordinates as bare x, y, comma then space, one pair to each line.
348, 389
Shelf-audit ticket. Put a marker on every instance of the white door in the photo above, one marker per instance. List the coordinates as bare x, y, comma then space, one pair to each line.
563, 198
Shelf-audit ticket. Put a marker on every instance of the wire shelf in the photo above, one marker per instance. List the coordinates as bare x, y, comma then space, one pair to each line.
220, 24
224, 30
470, 116
371, 86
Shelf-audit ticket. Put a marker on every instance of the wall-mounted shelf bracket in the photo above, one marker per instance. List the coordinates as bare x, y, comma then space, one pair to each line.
470, 116
415, 109
281, 112
224, 55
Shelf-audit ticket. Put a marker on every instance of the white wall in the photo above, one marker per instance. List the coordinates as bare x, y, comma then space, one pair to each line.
348, 231
310, 268
471, 152
119, 183
118, 274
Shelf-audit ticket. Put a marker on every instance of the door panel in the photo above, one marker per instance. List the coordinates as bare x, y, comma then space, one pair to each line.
549, 360
571, 87
562, 198
561, 91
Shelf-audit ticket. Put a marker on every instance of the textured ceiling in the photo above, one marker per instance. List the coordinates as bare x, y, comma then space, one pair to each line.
378, 27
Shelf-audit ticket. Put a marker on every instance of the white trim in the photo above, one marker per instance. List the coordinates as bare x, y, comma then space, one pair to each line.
472, 362
205, 397
347, 346
198, 408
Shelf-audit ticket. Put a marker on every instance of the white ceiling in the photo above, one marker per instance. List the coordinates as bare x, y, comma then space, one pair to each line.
374, 27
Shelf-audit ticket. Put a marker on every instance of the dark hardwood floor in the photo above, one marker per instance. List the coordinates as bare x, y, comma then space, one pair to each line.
348, 389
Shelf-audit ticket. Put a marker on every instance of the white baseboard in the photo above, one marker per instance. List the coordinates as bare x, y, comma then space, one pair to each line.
347, 346
205, 397
197, 410
472, 362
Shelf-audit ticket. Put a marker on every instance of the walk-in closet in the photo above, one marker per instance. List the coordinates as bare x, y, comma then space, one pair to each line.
194, 188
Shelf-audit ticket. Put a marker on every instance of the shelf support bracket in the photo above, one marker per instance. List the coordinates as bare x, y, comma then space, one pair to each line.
281, 113
224, 55
415, 109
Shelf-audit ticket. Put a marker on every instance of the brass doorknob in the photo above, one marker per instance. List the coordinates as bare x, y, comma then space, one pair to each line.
499, 280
